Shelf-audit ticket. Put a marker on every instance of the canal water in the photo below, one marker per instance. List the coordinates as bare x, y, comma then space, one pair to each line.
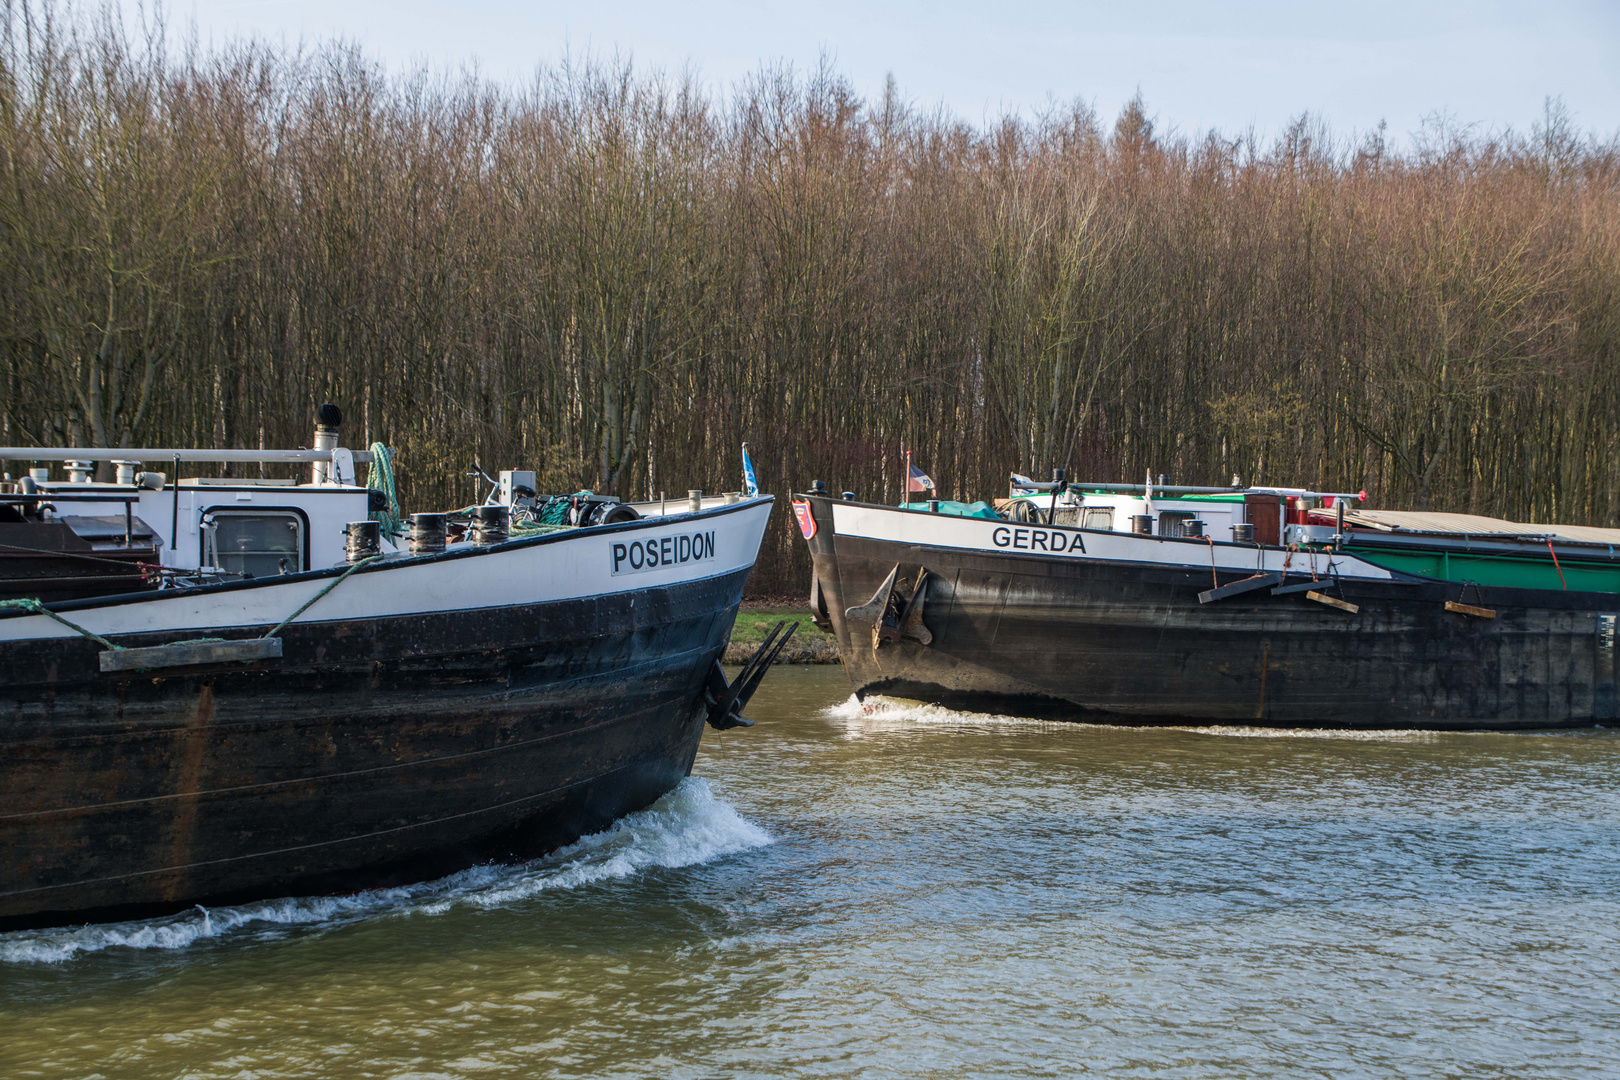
911, 892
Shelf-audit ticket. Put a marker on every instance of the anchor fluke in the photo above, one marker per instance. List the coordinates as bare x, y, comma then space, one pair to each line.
894, 615
911, 623
874, 609
727, 698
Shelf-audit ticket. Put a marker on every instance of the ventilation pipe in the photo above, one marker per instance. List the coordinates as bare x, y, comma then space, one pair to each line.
328, 418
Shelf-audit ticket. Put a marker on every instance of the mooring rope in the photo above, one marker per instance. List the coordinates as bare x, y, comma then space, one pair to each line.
555, 511
380, 477
553, 516
311, 601
40, 609
37, 608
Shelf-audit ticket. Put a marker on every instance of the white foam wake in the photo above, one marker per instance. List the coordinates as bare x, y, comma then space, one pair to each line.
684, 828
878, 713
1237, 731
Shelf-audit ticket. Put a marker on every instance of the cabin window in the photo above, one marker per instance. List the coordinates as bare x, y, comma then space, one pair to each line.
1099, 518
256, 544
1171, 522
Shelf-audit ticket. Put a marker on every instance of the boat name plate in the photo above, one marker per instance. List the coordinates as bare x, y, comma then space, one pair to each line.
1053, 541
658, 553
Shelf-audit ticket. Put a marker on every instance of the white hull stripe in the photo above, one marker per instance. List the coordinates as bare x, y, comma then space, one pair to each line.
575, 565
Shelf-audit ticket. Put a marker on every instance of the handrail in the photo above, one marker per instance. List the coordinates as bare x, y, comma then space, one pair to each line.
77, 495
1170, 491
116, 453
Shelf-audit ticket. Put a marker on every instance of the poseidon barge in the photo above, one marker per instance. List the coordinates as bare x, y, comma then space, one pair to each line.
269, 723
1130, 604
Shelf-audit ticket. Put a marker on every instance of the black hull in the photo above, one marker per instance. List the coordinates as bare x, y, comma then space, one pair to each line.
1130, 643
373, 752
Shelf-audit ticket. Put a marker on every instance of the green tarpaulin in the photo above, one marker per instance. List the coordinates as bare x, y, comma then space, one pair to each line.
975, 509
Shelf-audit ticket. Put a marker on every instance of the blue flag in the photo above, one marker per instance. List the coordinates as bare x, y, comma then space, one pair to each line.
750, 481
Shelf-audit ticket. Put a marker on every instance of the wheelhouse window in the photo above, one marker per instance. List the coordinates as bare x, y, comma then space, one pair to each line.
256, 543
1099, 518
1172, 522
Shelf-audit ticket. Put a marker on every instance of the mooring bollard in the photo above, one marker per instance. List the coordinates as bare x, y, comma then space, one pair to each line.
427, 534
490, 524
363, 540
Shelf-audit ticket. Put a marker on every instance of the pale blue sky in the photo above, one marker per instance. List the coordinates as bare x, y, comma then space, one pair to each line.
1198, 65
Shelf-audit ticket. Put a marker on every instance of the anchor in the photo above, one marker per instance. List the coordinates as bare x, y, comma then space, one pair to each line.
892, 615
726, 698
911, 622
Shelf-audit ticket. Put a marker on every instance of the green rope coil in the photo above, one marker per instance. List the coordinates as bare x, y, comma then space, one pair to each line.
553, 517
555, 512
380, 477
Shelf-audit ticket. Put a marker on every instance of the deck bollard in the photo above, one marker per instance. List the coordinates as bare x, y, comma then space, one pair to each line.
364, 539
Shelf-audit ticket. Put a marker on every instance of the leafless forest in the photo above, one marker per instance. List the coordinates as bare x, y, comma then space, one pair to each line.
614, 278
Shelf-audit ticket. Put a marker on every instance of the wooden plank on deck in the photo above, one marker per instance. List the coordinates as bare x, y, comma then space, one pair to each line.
1333, 601
1248, 584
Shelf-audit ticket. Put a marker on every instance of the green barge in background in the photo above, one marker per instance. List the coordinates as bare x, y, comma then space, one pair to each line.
1485, 551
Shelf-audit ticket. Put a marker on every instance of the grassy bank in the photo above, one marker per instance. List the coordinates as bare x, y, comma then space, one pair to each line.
809, 645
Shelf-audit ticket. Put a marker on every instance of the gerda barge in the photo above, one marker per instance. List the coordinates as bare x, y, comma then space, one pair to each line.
390, 718
1123, 604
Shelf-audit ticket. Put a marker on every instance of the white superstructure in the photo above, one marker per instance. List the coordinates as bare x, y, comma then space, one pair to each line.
237, 527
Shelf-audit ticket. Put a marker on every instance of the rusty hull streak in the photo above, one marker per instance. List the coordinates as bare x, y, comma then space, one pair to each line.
1265, 663
192, 744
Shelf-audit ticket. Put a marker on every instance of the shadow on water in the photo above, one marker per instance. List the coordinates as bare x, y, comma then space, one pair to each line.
905, 891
